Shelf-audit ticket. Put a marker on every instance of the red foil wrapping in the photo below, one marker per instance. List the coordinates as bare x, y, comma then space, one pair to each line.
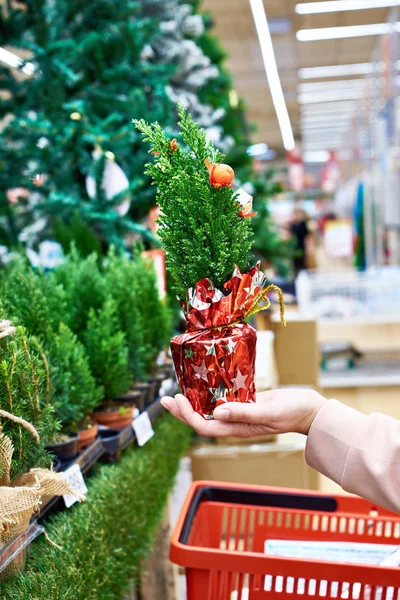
215, 358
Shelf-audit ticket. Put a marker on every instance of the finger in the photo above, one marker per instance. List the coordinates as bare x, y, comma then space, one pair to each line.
171, 405
191, 417
240, 412
202, 426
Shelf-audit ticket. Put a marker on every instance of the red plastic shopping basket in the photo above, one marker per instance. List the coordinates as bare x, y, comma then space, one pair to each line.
222, 529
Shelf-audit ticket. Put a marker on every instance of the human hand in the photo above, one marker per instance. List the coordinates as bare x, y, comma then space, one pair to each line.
279, 411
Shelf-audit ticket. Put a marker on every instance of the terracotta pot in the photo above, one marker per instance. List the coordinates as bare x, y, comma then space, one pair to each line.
87, 436
112, 418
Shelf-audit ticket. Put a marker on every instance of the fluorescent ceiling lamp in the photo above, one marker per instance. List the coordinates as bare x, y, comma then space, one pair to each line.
336, 71
309, 129
14, 61
316, 157
313, 8
257, 149
317, 86
348, 31
335, 107
329, 96
271, 69
326, 110
326, 117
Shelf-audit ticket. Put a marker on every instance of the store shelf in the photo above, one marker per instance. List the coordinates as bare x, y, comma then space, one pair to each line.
367, 374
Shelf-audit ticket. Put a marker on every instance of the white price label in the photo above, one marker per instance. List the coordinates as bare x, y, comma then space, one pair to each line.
143, 428
75, 478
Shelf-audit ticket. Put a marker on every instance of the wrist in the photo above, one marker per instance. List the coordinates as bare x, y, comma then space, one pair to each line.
314, 404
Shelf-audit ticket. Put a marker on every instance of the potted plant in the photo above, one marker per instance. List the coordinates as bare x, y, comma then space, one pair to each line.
121, 277
73, 392
39, 301
205, 230
157, 321
84, 286
109, 362
27, 423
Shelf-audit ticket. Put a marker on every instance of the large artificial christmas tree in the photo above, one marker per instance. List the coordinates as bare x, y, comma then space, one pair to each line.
177, 44
67, 147
205, 230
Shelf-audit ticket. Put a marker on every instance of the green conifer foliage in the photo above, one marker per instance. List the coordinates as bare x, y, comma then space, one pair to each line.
200, 228
24, 300
107, 350
73, 388
36, 300
156, 314
122, 280
23, 394
85, 288
89, 80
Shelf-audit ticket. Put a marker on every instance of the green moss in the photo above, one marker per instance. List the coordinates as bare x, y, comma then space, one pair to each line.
105, 539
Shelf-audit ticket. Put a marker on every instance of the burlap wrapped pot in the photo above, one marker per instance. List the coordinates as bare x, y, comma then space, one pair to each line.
20, 500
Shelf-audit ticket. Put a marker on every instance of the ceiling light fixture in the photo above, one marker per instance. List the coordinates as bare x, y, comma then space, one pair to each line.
271, 69
315, 98
316, 86
348, 31
338, 70
316, 157
14, 61
313, 8
257, 149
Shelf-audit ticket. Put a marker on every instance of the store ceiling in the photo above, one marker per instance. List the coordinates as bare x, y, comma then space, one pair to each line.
235, 26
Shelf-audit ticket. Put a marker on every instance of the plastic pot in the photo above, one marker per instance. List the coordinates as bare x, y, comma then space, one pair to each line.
113, 417
87, 436
67, 450
135, 398
144, 387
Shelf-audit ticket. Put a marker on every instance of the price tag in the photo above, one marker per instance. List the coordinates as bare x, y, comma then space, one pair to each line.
143, 428
75, 478
136, 413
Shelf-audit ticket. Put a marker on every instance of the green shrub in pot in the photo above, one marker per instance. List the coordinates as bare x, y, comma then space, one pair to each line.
23, 393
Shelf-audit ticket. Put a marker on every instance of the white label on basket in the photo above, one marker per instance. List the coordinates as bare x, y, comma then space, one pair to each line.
349, 552
143, 428
75, 478
357, 553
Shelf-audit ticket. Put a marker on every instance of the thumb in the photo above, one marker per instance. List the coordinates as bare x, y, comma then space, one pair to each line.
242, 412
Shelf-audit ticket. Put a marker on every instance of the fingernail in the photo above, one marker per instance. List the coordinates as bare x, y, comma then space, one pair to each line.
223, 413
164, 402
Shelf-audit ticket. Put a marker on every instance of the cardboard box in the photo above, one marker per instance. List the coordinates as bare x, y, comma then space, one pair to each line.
297, 352
279, 464
233, 441
266, 368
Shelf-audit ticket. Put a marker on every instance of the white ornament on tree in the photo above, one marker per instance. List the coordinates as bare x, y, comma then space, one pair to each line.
114, 183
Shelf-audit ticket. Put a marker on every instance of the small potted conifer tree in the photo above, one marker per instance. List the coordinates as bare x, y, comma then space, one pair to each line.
108, 356
38, 301
27, 424
156, 319
205, 230
121, 279
74, 393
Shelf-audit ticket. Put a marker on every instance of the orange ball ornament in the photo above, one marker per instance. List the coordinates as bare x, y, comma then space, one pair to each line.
220, 175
